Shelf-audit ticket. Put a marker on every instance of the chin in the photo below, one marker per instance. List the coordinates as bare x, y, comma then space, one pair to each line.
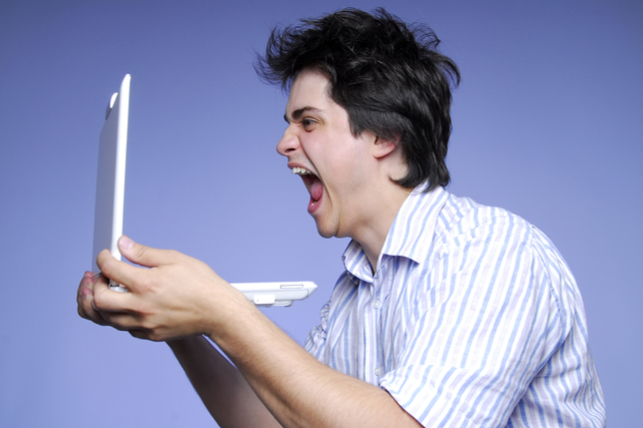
325, 232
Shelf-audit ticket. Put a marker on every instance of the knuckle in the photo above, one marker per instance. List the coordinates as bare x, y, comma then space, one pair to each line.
146, 284
155, 336
107, 267
173, 253
141, 251
148, 324
171, 256
102, 257
98, 300
118, 326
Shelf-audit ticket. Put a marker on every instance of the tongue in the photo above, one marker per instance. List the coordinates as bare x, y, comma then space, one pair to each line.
316, 190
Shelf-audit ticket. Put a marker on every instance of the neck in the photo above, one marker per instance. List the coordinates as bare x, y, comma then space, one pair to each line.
375, 230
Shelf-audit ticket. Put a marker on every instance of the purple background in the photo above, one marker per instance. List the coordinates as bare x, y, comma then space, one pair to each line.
547, 123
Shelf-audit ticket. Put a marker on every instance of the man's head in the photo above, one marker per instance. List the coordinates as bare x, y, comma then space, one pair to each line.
388, 77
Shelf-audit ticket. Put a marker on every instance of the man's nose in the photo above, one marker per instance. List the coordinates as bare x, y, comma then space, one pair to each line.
289, 142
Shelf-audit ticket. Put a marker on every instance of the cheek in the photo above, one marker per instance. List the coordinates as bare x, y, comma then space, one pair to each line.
338, 159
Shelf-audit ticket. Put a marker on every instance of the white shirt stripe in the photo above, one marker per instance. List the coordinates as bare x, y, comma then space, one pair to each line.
473, 319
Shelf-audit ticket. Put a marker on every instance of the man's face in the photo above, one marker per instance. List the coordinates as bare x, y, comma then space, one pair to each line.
333, 163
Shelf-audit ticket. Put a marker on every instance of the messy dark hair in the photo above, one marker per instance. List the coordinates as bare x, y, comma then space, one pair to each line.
388, 76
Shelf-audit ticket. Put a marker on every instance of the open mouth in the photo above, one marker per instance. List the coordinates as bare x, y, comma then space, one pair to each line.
313, 185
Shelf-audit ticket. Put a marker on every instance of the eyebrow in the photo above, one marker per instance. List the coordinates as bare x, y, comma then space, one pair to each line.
299, 113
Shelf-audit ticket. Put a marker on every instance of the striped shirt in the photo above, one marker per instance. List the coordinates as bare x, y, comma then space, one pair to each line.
472, 319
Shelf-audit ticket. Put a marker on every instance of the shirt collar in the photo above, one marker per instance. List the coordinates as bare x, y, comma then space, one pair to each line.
410, 235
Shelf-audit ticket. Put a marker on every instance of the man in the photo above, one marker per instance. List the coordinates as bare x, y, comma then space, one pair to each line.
449, 313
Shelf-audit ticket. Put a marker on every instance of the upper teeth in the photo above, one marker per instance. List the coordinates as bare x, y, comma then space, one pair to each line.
300, 171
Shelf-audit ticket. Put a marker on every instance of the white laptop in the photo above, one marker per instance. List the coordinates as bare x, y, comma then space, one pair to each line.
110, 196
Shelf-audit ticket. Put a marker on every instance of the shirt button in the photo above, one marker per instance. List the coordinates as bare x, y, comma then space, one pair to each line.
377, 304
377, 371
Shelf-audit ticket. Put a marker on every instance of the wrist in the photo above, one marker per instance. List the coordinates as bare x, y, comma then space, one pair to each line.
236, 317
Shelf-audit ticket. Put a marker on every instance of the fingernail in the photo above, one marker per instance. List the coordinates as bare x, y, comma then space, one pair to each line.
125, 243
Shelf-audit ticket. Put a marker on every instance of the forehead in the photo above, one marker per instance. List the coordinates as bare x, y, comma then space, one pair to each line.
309, 90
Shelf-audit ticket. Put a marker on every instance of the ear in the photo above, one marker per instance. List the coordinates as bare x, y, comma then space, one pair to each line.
382, 147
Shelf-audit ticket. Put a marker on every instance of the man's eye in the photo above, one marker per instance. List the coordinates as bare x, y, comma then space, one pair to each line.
307, 123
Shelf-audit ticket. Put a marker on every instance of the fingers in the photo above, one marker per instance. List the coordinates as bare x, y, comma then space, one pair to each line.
85, 299
138, 325
106, 300
95, 304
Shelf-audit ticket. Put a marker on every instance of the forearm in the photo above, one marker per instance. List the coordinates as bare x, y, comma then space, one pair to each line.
299, 390
224, 391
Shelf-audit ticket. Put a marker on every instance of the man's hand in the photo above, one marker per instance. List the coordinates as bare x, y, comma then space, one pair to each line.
172, 296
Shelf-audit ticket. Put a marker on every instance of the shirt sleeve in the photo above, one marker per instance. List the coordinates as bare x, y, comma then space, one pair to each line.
316, 340
486, 320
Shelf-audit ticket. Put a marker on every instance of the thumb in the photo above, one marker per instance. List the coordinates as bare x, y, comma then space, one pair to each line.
143, 255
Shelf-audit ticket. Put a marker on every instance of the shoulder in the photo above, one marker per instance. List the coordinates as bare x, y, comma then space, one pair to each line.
493, 238
463, 220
